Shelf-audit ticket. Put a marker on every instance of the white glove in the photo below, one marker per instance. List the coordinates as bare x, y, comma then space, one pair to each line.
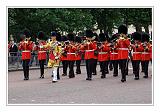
41, 46
26, 42
56, 57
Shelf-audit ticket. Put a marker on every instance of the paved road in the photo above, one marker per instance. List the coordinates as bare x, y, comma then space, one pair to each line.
78, 90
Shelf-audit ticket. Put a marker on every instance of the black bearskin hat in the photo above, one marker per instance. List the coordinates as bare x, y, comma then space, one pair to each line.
102, 37
145, 37
96, 37
89, 33
41, 35
78, 39
27, 33
21, 36
107, 37
136, 36
58, 36
64, 38
70, 37
122, 29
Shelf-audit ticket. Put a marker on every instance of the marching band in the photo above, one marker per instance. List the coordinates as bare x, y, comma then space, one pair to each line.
94, 48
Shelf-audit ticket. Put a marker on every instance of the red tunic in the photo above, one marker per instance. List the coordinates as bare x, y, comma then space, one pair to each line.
146, 53
71, 52
103, 54
123, 45
114, 54
95, 46
89, 49
63, 57
78, 52
26, 48
137, 52
151, 51
41, 51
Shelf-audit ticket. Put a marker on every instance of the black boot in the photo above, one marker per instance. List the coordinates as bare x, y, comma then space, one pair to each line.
145, 76
64, 74
41, 77
136, 78
103, 76
123, 80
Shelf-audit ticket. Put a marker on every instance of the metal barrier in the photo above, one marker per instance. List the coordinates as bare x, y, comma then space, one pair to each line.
15, 61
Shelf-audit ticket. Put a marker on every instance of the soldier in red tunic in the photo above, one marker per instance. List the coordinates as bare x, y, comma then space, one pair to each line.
26, 47
136, 47
78, 41
71, 54
64, 55
145, 57
123, 44
114, 55
151, 51
89, 48
94, 41
103, 54
41, 52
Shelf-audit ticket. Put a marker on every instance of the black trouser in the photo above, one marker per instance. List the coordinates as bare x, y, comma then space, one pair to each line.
142, 65
26, 68
58, 76
65, 66
145, 66
115, 67
110, 65
94, 66
135, 64
123, 65
103, 67
127, 67
41, 63
71, 70
78, 64
89, 67
106, 67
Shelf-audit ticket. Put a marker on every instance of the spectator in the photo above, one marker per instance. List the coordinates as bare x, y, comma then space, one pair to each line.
13, 50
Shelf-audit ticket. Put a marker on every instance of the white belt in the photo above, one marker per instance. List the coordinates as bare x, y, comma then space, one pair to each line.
114, 53
71, 53
89, 50
136, 52
145, 53
123, 48
102, 52
41, 51
26, 51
